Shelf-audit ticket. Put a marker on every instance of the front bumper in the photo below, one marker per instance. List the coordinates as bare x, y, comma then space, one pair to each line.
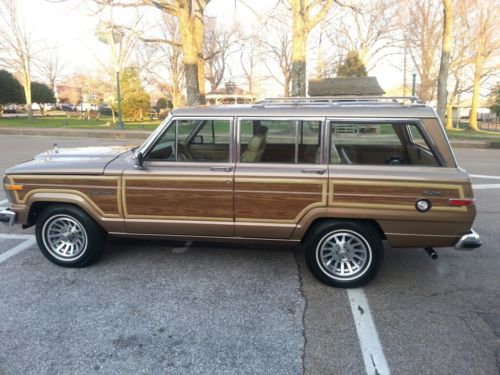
469, 241
7, 216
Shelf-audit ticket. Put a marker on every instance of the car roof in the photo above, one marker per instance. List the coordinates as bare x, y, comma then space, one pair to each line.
375, 110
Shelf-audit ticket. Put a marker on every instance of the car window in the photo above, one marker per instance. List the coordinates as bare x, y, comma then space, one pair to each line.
194, 140
381, 143
279, 141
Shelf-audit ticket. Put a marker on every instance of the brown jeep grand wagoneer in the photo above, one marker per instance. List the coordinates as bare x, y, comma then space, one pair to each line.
338, 175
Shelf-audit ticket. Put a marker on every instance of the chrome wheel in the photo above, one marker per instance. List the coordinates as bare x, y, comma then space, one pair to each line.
64, 237
344, 254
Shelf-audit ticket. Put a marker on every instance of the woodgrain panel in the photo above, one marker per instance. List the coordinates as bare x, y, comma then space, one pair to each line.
387, 199
102, 192
279, 187
391, 190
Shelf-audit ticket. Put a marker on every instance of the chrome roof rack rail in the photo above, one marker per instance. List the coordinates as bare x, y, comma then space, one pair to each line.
341, 101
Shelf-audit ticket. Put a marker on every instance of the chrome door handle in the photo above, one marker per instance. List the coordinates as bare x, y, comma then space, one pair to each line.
221, 169
314, 170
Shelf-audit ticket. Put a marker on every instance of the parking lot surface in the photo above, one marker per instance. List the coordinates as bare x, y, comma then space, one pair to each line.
188, 308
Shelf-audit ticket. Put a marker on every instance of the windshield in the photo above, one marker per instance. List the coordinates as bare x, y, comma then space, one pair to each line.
155, 134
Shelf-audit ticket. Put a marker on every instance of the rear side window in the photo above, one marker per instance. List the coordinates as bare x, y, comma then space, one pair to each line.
379, 143
280, 141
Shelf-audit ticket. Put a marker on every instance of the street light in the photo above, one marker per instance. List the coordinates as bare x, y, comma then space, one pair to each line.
110, 34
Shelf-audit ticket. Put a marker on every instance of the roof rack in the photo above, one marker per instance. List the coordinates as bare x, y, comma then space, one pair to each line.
342, 101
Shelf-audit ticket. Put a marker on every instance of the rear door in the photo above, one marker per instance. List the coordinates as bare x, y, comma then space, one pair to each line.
280, 175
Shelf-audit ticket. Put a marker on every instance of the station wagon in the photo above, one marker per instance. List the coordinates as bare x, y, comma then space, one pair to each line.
336, 175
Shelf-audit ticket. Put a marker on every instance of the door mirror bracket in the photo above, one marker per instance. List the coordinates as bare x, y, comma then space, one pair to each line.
139, 160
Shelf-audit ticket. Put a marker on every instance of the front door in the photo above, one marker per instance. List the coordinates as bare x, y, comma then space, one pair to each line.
186, 186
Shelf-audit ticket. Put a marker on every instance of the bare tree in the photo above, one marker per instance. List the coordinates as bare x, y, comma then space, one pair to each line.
444, 66
191, 25
306, 14
483, 21
250, 57
277, 50
16, 47
368, 29
162, 63
49, 67
421, 23
216, 50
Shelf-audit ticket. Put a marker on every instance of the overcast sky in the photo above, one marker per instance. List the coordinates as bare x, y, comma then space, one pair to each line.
70, 25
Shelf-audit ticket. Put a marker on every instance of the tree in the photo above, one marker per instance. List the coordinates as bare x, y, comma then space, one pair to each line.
352, 66
305, 16
421, 26
50, 68
162, 63
216, 50
277, 50
494, 100
136, 102
483, 17
16, 47
191, 26
370, 29
42, 94
442, 92
11, 90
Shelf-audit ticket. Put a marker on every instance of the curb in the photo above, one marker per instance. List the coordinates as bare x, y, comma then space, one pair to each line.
142, 135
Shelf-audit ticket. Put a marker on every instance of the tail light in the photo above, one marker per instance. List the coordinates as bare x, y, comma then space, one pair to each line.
461, 202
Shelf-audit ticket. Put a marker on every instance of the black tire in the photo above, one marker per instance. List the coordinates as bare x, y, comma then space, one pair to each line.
87, 236
322, 253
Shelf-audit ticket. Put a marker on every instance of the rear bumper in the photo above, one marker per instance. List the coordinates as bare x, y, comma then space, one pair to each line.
469, 241
7, 217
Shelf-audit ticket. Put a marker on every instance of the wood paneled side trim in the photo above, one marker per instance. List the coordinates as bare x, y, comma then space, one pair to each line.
201, 187
354, 192
69, 184
279, 186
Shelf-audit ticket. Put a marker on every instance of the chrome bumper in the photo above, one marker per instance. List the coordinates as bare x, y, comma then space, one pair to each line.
7, 217
469, 241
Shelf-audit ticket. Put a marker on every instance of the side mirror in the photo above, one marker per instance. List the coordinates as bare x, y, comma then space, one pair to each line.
139, 160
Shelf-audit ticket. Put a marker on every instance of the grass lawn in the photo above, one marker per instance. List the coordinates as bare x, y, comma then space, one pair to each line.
63, 122
468, 135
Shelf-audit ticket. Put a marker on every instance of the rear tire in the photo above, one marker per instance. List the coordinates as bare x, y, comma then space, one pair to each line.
345, 254
68, 237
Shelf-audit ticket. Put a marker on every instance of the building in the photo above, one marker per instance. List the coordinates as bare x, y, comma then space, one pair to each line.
230, 94
345, 86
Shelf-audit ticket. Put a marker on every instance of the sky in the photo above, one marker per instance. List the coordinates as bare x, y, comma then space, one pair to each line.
70, 26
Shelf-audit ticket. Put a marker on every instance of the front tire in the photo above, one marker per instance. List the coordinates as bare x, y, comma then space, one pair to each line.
345, 254
68, 237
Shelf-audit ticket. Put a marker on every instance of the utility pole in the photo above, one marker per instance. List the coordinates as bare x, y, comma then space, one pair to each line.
112, 35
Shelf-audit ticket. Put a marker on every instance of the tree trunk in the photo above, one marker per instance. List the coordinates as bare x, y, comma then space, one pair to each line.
27, 94
199, 29
478, 70
189, 53
445, 59
299, 47
449, 115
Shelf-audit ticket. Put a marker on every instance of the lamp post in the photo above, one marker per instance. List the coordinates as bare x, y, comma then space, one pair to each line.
112, 35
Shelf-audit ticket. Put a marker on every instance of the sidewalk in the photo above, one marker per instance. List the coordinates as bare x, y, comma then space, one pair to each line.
143, 134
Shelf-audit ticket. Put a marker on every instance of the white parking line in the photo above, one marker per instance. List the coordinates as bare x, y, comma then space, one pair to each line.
485, 186
485, 176
373, 353
180, 250
9, 236
3, 201
17, 249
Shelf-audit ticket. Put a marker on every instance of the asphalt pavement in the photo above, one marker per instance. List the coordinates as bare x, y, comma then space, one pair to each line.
167, 307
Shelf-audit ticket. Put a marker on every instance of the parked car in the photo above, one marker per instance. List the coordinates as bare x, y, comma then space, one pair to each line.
337, 176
